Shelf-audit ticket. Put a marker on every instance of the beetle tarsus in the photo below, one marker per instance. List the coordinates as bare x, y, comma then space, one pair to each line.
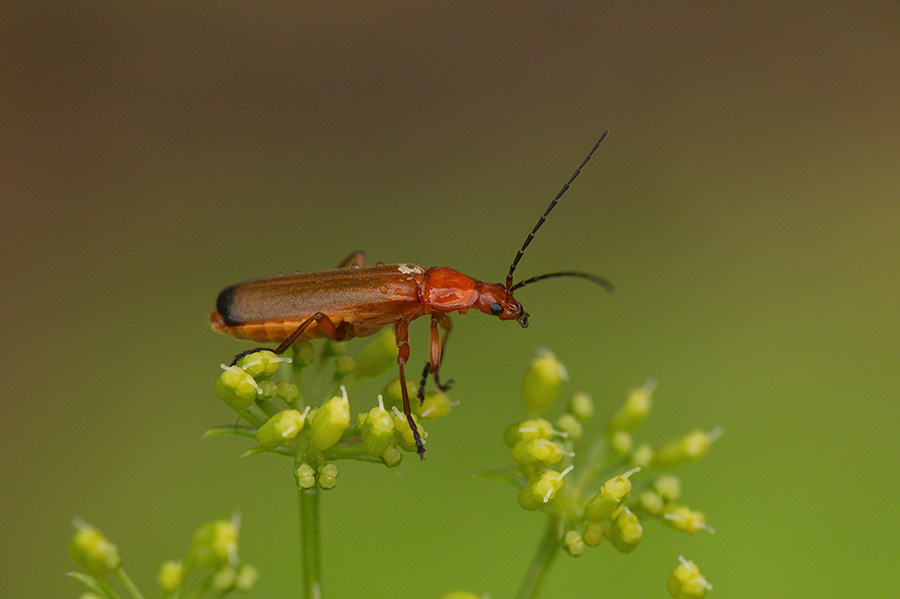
443, 386
420, 444
437, 381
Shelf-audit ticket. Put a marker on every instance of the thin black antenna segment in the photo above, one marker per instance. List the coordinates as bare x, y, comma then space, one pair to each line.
512, 267
566, 273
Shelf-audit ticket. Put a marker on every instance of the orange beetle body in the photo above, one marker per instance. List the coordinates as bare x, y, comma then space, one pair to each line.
358, 301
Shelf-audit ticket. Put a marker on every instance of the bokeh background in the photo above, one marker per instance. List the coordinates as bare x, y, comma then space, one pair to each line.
745, 204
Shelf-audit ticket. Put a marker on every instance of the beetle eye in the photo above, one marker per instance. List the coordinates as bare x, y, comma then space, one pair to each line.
496, 309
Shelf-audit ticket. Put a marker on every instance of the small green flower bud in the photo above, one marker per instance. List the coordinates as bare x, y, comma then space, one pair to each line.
344, 365
593, 533
224, 578
611, 495
393, 396
262, 364
328, 474
236, 388
280, 428
377, 429
634, 411
403, 435
392, 456
642, 457
537, 452
537, 428
436, 404
540, 492
625, 530
170, 576
621, 442
570, 425
691, 447
334, 349
542, 382
289, 392
573, 543
246, 578
305, 475
686, 582
685, 519
267, 388
377, 356
668, 486
304, 353
215, 544
581, 406
330, 421
528, 501
93, 551
651, 502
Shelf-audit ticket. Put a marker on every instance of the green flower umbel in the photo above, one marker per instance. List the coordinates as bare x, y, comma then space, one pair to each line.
572, 471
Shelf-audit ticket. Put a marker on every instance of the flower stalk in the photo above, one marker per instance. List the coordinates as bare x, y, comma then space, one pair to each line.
310, 542
543, 558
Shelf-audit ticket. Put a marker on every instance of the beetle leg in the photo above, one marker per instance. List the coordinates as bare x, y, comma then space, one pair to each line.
447, 325
437, 351
401, 333
355, 260
328, 329
442, 386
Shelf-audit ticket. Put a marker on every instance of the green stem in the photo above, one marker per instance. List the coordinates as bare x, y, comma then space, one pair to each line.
542, 560
128, 584
107, 588
310, 545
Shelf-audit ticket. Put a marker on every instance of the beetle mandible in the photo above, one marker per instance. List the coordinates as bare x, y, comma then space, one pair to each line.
356, 300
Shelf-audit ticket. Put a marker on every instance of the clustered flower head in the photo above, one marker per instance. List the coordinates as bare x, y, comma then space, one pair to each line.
593, 478
281, 401
213, 553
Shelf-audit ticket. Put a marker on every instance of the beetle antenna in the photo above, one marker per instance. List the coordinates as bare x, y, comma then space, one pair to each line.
512, 268
566, 273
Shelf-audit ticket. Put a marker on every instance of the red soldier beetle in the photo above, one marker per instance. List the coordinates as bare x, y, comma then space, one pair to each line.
356, 300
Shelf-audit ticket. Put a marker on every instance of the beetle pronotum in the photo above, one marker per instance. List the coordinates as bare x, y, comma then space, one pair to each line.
355, 300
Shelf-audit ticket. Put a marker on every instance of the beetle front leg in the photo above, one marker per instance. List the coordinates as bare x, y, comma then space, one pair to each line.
401, 333
437, 348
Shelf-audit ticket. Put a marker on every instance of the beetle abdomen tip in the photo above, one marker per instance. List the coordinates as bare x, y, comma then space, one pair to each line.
224, 303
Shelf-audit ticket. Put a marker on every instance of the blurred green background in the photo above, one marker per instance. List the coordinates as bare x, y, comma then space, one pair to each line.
745, 204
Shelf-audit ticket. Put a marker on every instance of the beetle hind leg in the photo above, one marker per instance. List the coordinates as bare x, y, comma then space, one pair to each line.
326, 326
401, 334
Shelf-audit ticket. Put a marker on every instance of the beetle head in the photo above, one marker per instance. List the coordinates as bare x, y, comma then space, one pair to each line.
497, 301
